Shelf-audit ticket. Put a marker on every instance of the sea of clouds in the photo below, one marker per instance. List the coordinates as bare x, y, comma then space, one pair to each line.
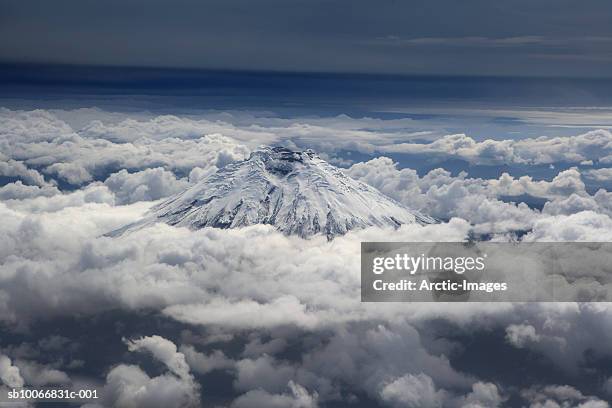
272, 320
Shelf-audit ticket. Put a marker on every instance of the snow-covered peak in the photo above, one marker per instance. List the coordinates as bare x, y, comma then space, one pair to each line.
295, 191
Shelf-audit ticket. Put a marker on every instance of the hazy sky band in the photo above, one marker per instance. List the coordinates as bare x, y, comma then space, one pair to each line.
442, 37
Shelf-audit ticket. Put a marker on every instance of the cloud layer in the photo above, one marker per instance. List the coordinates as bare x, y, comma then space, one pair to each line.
278, 318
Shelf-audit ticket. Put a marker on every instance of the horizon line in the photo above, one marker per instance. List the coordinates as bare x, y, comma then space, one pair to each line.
288, 73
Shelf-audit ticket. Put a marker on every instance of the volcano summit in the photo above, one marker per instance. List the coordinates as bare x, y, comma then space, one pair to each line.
296, 191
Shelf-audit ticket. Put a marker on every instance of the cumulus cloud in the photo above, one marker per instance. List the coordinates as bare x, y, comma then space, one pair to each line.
367, 358
257, 347
480, 200
263, 373
171, 127
181, 143
92, 194
73, 173
582, 226
520, 334
9, 373
325, 134
600, 202
406, 186
129, 386
203, 364
55, 149
595, 145
245, 313
61, 257
412, 391
298, 397
483, 395
557, 331
39, 375
562, 396
145, 185
164, 351
602, 175
20, 191
32, 126
444, 196
16, 169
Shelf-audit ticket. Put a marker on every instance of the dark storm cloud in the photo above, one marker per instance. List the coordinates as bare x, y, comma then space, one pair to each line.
440, 36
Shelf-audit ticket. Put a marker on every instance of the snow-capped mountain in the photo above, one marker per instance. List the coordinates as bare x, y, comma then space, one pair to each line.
296, 191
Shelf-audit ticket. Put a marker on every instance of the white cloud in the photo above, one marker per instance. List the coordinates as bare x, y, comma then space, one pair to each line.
38, 375
595, 145
129, 386
163, 350
145, 185
256, 347
483, 395
600, 202
582, 226
441, 195
263, 373
406, 186
557, 331
94, 193
74, 173
20, 191
562, 396
412, 391
245, 313
64, 263
202, 363
32, 126
16, 169
80, 157
600, 175
169, 127
9, 373
521, 334
298, 397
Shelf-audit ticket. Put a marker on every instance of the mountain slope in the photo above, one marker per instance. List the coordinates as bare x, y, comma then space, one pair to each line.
297, 192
